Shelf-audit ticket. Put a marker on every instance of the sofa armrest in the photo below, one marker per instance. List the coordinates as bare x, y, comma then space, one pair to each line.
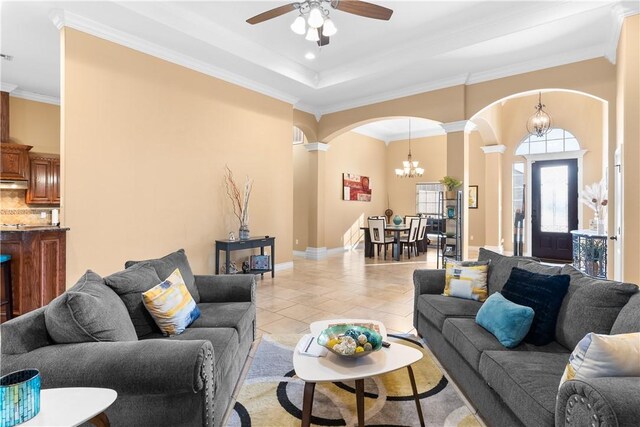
152, 366
227, 288
610, 401
428, 282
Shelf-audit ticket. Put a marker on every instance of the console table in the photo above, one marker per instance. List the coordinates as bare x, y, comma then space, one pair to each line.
590, 252
237, 245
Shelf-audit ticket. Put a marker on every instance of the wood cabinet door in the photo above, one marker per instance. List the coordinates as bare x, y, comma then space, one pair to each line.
14, 163
55, 181
39, 191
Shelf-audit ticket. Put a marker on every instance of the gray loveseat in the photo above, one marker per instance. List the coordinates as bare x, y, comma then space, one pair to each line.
183, 380
520, 386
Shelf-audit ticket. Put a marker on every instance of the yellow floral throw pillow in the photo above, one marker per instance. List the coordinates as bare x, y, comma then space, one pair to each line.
466, 279
171, 305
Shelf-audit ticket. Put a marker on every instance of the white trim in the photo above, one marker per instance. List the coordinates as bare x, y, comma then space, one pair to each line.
301, 254
283, 266
499, 249
618, 15
316, 146
530, 159
32, 96
489, 149
459, 126
316, 253
61, 18
7, 87
334, 251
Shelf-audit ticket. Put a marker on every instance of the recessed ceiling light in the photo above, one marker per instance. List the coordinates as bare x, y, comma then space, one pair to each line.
310, 56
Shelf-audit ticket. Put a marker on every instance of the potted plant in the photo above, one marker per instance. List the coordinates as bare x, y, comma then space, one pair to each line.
451, 184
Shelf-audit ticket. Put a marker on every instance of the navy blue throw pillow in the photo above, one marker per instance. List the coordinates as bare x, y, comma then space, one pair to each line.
544, 294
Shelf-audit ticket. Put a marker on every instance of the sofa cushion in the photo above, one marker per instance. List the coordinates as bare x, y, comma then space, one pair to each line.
167, 264
89, 311
539, 268
544, 294
527, 381
591, 305
629, 318
237, 315
469, 339
225, 347
437, 308
129, 284
507, 321
500, 267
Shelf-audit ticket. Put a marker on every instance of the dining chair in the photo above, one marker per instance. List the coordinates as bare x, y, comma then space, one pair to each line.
422, 233
378, 236
410, 239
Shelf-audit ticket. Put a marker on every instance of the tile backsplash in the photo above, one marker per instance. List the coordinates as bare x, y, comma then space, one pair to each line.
14, 210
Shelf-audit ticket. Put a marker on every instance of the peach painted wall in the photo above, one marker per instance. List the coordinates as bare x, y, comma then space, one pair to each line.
144, 147
35, 123
476, 217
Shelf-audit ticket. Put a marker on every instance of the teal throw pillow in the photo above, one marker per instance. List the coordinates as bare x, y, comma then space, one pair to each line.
507, 321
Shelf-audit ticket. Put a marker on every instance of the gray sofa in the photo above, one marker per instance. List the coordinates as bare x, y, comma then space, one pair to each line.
520, 386
183, 380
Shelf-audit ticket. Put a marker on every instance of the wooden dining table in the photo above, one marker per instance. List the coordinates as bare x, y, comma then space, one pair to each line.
396, 229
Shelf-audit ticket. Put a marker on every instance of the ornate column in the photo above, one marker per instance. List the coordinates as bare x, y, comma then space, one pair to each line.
493, 196
317, 165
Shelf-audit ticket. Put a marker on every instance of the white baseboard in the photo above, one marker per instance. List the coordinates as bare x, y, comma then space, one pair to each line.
316, 253
334, 251
301, 254
498, 249
284, 266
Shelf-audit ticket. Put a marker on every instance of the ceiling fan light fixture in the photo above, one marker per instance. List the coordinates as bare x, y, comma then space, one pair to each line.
329, 28
316, 18
299, 26
312, 35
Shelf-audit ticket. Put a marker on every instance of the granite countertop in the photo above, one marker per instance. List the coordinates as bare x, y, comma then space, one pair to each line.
31, 228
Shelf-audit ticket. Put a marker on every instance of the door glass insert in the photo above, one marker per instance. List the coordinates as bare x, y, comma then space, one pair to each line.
554, 199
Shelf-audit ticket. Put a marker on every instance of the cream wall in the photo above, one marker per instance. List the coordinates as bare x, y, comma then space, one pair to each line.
36, 124
360, 155
628, 128
301, 190
144, 147
431, 152
476, 217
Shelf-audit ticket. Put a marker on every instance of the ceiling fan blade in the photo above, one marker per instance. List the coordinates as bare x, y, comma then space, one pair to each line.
273, 13
362, 8
324, 40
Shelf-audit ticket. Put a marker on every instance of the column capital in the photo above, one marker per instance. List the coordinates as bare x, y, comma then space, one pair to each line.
316, 146
7, 87
459, 126
489, 149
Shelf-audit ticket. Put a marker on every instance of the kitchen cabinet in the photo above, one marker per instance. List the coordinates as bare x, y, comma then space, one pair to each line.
38, 265
14, 161
44, 180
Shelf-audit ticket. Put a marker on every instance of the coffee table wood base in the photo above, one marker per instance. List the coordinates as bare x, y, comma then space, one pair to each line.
100, 420
309, 389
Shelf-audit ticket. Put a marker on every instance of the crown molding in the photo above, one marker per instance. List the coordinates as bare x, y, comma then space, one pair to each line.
459, 126
32, 96
7, 87
489, 149
316, 146
62, 18
618, 15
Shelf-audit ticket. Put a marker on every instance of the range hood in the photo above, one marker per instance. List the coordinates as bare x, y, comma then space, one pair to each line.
14, 185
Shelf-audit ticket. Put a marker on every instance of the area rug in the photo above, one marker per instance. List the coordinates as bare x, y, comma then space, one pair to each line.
271, 395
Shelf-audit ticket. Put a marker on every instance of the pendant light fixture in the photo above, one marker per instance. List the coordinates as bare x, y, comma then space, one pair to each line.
539, 124
410, 167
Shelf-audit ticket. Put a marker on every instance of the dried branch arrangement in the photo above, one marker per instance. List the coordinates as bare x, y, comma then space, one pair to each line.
239, 200
595, 197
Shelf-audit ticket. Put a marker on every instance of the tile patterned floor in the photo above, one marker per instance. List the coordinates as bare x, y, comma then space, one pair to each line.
344, 285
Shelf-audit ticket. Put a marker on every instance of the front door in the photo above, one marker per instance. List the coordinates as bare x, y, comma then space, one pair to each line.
554, 208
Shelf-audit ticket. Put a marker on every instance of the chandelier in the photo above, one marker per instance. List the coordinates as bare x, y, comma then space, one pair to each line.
539, 124
313, 16
410, 167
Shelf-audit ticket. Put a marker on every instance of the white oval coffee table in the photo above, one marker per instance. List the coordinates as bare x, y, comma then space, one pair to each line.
73, 406
333, 368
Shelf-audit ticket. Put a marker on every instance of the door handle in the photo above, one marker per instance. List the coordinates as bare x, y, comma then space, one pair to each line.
613, 238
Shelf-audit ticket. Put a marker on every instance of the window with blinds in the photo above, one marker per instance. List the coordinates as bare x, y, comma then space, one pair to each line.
427, 194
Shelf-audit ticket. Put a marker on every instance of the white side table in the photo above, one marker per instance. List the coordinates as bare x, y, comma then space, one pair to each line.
334, 368
73, 406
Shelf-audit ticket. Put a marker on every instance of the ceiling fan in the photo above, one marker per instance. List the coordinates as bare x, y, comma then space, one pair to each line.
314, 20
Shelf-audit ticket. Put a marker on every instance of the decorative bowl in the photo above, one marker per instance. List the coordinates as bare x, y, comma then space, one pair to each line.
347, 341
19, 397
